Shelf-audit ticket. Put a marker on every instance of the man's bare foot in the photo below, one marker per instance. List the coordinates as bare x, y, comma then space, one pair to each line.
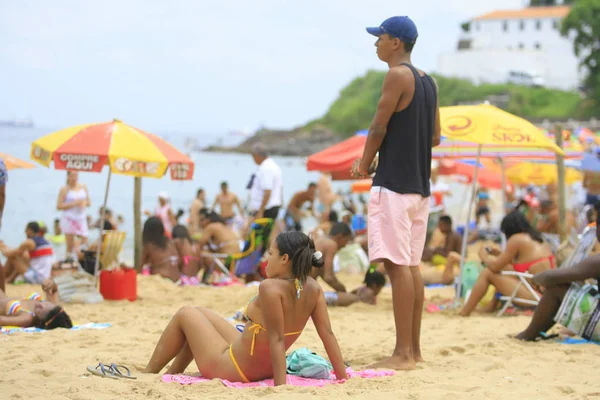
419, 359
396, 363
463, 313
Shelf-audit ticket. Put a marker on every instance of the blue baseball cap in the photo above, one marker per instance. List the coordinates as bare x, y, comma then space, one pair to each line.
402, 28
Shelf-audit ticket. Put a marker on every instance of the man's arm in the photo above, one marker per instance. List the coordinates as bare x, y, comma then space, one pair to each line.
328, 273
587, 269
394, 85
437, 132
263, 205
2, 199
238, 203
212, 208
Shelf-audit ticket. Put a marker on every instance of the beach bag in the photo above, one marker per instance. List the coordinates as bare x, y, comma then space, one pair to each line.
307, 364
77, 287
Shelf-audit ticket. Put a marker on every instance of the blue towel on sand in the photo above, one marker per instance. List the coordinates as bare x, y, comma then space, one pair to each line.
91, 325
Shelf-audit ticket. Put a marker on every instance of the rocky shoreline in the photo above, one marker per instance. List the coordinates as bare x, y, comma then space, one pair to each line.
299, 142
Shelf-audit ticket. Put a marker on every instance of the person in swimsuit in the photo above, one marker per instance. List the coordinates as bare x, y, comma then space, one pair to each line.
226, 200
165, 213
483, 208
444, 256
525, 251
73, 199
219, 237
32, 311
373, 283
33, 258
325, 192
197, 204
339, 236
276, 318
295, 213
567, 302
159, 252
188, 250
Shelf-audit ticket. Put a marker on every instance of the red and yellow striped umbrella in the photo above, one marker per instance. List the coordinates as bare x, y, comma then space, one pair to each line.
128, 151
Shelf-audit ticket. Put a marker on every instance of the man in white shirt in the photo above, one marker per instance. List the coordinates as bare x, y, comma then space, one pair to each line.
266, 191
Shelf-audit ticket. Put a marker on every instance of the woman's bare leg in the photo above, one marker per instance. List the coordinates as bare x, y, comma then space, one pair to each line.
191, 325
15, 266
504, 284
543, 318
69, 240
225, 329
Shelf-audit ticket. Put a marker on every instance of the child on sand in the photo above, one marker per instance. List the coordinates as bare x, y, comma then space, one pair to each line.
339, 236
373, 283
276, 318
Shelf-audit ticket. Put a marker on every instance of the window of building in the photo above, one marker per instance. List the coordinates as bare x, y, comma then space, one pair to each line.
538, 25
521, 46
505, 26
538, 46
522, 25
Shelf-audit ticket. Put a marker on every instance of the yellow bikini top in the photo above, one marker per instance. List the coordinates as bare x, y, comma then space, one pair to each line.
256, 328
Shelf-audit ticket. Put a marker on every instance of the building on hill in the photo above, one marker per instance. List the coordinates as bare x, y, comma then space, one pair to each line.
519, 46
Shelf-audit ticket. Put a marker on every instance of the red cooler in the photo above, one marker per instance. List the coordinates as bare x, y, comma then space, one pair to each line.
119, 284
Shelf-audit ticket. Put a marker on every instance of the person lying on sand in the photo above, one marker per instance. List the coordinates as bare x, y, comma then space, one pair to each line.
567, 301
339, 236
525, 250
373, 283
32, 311
276, 318
159, 252
445, 255
188, 250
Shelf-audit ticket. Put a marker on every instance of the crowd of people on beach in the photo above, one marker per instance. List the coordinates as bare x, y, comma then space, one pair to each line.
403, 232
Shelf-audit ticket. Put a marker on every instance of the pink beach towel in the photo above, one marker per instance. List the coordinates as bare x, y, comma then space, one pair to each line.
291, 379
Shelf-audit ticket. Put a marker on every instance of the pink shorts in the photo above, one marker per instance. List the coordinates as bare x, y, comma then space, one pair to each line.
397, 226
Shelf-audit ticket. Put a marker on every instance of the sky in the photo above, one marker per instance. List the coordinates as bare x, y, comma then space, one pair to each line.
202, 66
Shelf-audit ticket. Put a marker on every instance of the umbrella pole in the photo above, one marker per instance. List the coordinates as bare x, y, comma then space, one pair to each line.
504, 196
137, 221
102, 216
560, 169
465, 238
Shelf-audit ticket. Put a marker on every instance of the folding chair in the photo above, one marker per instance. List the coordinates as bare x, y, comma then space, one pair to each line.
248, 260
112, 245
583, 249
553, 241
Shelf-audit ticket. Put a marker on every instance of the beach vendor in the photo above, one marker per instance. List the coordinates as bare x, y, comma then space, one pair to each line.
339, 236
32, 259
276, 318
569, 299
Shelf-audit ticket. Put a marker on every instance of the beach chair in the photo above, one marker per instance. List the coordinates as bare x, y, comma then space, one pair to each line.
586, 243
112, 245
553, 241
248, 260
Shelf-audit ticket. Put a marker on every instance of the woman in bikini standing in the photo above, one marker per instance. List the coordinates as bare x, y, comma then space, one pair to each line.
525, 251
276, 318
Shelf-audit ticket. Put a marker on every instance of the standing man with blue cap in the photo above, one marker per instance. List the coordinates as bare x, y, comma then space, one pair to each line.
405, 127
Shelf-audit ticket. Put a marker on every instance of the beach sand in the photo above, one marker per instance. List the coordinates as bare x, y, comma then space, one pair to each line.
465, 357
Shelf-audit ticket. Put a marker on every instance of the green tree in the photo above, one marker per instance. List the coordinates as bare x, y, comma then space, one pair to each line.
583, 22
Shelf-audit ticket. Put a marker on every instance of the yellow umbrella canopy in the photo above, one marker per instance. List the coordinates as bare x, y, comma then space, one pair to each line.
14, 162
488, 125
539, 174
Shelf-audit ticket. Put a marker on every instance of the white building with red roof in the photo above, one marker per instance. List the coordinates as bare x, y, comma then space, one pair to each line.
512, 45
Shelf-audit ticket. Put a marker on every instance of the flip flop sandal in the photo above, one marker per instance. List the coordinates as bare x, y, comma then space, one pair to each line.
545, 336
103, 371
117, 372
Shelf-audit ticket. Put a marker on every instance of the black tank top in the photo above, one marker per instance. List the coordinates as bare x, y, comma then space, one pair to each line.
405, 154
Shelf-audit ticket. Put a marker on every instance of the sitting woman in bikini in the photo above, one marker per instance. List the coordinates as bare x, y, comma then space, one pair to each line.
159, 253
276, 318
525, 251
32, 311
188, 250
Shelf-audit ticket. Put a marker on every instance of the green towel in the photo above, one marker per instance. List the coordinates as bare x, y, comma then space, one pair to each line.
307, 364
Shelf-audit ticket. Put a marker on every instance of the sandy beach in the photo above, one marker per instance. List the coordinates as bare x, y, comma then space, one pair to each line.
465, 357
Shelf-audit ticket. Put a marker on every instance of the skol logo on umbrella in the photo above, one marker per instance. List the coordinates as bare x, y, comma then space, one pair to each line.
458, 125
503, 134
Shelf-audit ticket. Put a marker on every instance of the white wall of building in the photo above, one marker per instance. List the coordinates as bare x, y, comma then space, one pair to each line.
527, 45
